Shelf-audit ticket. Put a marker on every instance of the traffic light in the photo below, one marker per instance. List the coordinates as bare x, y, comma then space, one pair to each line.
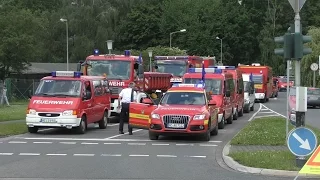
287, 50
299, 49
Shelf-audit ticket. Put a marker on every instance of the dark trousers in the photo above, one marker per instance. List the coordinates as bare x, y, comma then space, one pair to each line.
124, 116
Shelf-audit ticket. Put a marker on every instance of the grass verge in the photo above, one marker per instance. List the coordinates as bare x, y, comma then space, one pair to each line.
16, 111
9, 129
269, 131
281, 160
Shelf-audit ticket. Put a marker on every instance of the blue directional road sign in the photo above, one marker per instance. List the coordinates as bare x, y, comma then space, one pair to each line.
302, 141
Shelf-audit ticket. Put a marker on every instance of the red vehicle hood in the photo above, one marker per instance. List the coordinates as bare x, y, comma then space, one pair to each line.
180, 109
54, 104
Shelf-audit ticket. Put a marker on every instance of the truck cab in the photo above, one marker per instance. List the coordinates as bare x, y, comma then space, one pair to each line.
249, 93
218, 85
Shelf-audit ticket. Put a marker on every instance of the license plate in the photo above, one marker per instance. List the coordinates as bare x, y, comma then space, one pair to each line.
173, 125
258, 86
48, 120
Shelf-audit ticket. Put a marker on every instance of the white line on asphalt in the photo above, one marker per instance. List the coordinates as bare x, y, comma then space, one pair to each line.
1, 142
197, 156
42, 142
266, 112
89, 143
166, 156
139, 155
83, 154
216, 141
17, 142
67, 142
139, 144
112, 155
274, 111
160, 144
264, 109
29, 154
184, 144
6, 154
56, 154
113, 124
111, 143
111, 137
82, 139
208, 145
260, 107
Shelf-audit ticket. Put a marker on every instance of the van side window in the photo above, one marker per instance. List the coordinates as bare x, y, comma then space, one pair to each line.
97, 88
87, 89
240, 85
231, 85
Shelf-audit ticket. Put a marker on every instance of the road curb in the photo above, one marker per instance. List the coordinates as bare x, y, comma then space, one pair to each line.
269, 172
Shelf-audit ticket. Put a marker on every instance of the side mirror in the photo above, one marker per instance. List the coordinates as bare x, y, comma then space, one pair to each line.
78, 66
147, 101
212, 103
156, 67
228, 94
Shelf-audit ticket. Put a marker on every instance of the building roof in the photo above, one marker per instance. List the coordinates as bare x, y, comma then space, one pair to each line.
39, 68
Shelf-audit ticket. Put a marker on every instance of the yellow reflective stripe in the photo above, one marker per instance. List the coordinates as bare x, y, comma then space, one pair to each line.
206, 122
139, 125
139, 116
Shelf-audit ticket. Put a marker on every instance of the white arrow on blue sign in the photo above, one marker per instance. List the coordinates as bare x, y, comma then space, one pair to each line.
297, 5
302, 141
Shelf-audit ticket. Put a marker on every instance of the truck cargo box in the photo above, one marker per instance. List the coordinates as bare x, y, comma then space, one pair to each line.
156, 81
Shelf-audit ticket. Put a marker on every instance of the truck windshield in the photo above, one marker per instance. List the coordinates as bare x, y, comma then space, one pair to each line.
177, 69
213, 85
258, 79
183, 98
59, 88
114, 69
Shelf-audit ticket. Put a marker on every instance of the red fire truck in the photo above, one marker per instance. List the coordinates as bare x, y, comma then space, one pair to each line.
120, 70
262, 78
178, 65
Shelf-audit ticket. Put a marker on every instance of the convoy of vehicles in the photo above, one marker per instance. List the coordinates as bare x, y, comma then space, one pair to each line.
262, 78
282, 85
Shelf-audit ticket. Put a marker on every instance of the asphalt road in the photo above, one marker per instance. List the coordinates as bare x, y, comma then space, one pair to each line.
279, 105
103, 154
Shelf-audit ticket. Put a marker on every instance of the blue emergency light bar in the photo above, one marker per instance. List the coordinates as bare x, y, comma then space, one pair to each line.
127, 53
96, 52
66, 74
207, 70
171, 57
224, 67
188, 85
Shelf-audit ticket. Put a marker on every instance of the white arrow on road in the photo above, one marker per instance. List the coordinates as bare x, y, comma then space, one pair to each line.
304, 144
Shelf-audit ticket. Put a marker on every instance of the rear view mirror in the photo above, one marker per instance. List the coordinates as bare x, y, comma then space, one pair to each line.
147, 101
156, 67
227, 94
212, 103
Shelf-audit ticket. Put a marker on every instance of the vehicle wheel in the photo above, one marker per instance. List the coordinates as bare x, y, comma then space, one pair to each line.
276, 94
221, 124
230, 119
252, 107
214, 132
81, 129
33, 129
247, 110
267, 99
235, 116
103, 123
207, 136
240, 114
153, 136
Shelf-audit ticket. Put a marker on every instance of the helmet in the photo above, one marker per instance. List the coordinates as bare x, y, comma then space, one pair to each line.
154, 96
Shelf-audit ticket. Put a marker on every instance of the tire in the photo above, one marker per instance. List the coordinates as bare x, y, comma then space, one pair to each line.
235, 116
276, 95
221, 124
82, 128
230, 119
252, 108
240, 114
153, 136
247, 110
214, 132
33, 130
207, 136
103, 123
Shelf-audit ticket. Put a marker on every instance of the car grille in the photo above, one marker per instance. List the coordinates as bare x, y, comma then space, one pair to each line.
49, 114
175, 119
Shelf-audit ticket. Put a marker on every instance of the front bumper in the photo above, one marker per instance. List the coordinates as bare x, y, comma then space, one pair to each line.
259, 96
62, 121
193, 127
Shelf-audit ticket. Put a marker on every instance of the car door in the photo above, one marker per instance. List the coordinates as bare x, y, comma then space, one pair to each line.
227, 100
139, 114
88, 104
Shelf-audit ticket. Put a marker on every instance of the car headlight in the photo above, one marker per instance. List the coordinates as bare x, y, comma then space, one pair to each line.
32, 112
199, 117
69, 113
155, 116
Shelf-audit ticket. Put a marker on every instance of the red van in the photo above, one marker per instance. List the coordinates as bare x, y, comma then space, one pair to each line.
239, 93
221, 88
68, 100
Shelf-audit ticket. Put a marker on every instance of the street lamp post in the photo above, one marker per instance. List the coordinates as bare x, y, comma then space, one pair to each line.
109, 45
220, 48
66, 21
150, 56
182, 30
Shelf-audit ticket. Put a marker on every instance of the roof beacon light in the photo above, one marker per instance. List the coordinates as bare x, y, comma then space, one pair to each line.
127, 53
66, 74
207, 70
225, 67
171, 57
96, 52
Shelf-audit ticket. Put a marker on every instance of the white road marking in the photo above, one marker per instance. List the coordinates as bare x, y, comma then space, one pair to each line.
83, 154
112, 155
82, 139
42, 142
160, 144
29, 154
89, 143
111, 143
139, 155
166, 155
184, 144
274, 111
111, 137
56, 154
17, 142
197, 156
208, 145
260, 107
1, 142
215, 141
68, 142
6, 154
139, 144
266, 112
110, 125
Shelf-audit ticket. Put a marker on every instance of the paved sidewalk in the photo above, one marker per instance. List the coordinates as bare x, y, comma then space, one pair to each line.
248, 148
